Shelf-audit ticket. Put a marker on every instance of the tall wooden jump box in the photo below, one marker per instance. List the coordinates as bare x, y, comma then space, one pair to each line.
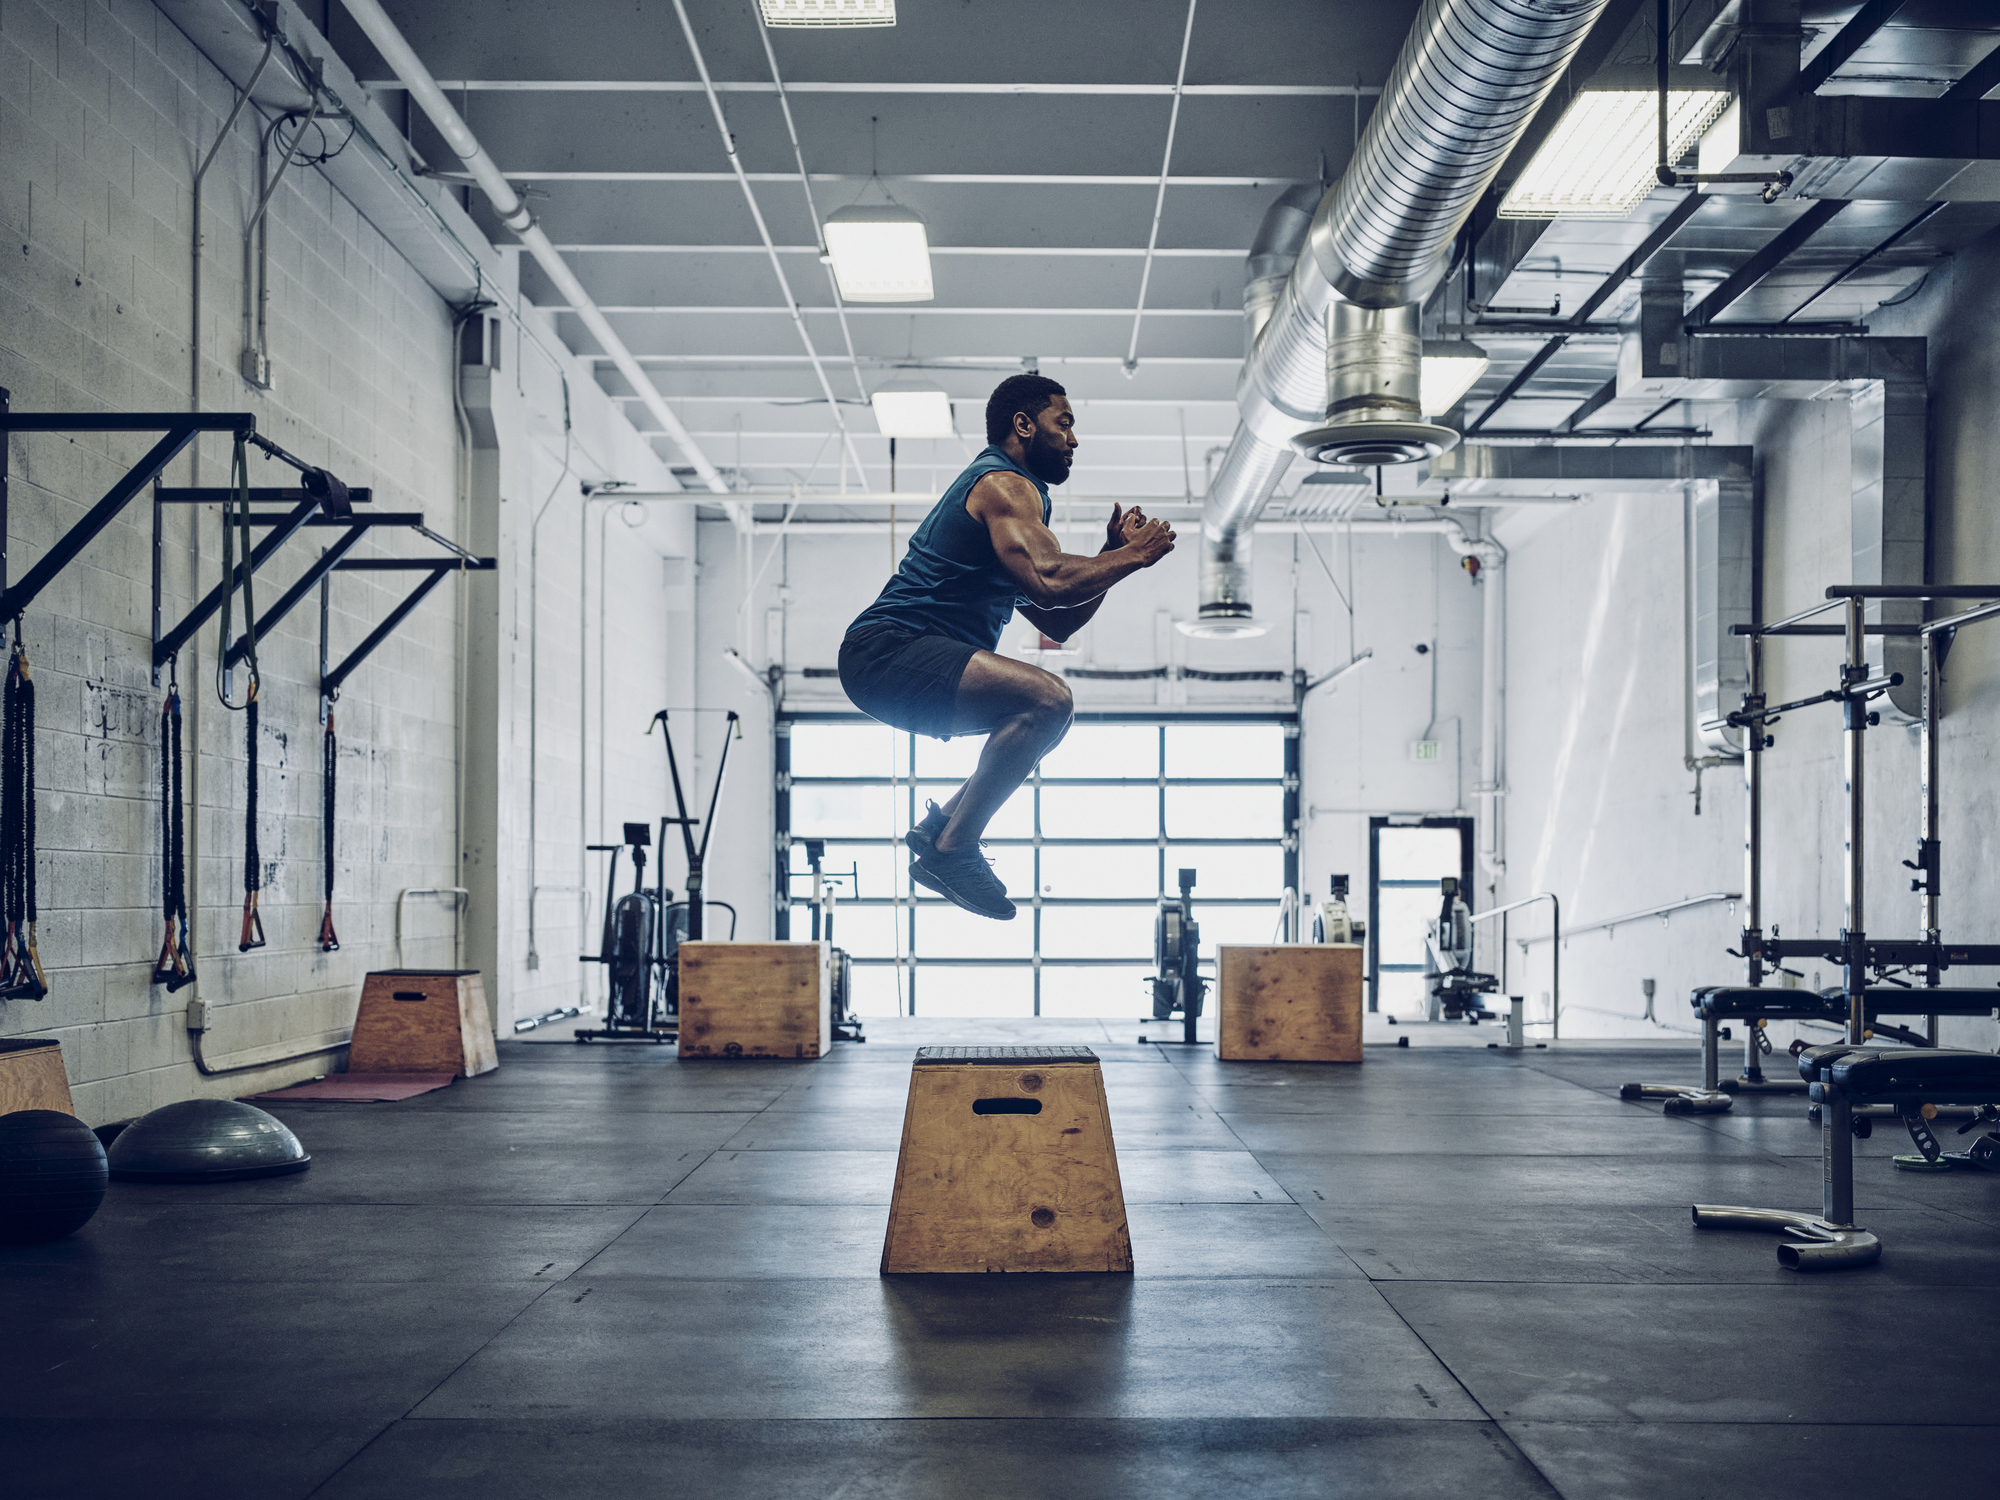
1007, 1165
32, 1076
1295, 1003
423, 1021
755, 1000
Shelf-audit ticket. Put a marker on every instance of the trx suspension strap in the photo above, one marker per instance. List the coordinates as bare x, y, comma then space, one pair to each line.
239, 475
329, 940
21, 976
253, 875
175, 968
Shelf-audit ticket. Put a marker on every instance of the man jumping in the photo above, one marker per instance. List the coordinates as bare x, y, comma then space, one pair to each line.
922, 656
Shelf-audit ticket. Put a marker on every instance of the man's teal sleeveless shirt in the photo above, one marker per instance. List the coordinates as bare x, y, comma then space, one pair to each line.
952, 582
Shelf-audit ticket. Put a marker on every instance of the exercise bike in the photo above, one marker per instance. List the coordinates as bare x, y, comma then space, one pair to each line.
641, 930
1178, 988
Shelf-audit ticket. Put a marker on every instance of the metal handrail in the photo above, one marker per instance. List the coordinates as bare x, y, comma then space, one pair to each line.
461, 898
1732, 897
1555, 966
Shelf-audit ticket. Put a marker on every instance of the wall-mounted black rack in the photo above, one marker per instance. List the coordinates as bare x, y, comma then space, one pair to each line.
320, 501
178, 429
435, 569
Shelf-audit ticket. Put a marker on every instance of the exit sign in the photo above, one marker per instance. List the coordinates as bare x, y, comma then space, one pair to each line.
1423, 750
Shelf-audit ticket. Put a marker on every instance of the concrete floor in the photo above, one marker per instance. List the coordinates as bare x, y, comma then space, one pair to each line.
599, 1271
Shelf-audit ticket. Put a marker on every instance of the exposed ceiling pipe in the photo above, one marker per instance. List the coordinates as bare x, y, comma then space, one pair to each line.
812, 207
409, 68
1131, 365
1465, 87
764, 233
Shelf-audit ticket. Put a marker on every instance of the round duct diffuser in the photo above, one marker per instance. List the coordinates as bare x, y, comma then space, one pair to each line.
1218, 625
206, 1140
1371, 445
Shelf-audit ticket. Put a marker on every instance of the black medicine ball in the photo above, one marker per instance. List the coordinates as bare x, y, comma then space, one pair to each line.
52, 1175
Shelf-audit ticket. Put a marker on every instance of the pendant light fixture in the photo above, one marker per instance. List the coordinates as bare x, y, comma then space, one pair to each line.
911, 409
880, 251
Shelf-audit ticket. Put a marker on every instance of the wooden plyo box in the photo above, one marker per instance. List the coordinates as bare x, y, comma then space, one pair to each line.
755, 1000
32, 1077
1007, 1164
1296, 1003
423, 1021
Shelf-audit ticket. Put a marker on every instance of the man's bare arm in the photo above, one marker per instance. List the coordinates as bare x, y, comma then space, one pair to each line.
1061, 624
1011, 510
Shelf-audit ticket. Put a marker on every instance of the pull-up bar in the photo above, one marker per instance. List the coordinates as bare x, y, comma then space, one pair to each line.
1839, 593
179, 429
437, 568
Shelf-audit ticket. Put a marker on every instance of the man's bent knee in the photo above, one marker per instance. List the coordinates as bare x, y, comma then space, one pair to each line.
1051, 703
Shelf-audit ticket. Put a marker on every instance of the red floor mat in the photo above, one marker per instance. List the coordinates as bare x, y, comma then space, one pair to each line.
363, 1088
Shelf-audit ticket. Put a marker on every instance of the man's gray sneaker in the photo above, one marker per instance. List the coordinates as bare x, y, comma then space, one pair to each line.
923, 838
965, 878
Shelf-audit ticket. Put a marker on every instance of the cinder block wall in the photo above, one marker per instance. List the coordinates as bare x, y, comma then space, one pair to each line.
104, 111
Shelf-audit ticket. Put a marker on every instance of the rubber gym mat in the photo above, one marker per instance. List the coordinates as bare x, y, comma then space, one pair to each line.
363, 1088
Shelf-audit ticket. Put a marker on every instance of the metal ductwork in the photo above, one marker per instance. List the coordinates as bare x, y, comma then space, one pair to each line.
1466, 85
1273, 253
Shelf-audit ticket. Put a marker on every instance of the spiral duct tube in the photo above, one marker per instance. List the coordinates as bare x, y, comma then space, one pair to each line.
1465, 86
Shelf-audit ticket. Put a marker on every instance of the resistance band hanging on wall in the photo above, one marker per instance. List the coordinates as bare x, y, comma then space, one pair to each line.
21, 976
239, 478
253, 874
175, 968
329, 940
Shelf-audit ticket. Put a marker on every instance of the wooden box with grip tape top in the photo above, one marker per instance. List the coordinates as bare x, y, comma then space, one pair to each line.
1007, 1164
423, 1021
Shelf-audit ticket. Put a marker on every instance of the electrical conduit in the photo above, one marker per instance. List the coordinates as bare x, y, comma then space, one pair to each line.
409, 69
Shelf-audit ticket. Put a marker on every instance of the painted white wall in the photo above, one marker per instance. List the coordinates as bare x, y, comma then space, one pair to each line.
1599, 803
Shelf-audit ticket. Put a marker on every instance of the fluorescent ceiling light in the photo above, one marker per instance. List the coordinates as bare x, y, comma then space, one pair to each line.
913, 411
1451, 368
829, 12
1601, 159
880, 253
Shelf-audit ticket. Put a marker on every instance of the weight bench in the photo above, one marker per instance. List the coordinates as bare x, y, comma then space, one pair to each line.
1717, 1003
1841, 1078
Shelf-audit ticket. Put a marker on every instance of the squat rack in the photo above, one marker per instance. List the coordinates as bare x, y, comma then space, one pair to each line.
1853, 950
1830, 1239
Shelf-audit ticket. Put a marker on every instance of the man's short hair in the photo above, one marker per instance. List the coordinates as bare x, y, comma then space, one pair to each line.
1022, 393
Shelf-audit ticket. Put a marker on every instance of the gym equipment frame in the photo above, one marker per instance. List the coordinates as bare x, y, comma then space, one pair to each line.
1752, 1003
633, 947
1844, 1075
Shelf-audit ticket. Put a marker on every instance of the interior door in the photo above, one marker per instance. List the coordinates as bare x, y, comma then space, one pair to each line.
1406, 859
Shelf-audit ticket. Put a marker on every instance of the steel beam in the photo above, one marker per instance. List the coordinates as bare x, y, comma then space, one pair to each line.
1849, 40
1579, 320
380, 518
439, 571
1763, 263
1978, 83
